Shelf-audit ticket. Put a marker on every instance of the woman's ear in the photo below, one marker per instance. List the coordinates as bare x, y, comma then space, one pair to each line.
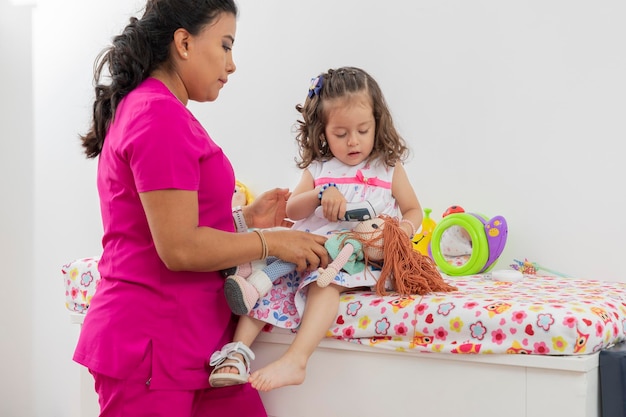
181, 42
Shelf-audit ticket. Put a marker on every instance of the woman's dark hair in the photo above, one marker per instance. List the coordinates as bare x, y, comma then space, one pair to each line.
142, 47
342, 83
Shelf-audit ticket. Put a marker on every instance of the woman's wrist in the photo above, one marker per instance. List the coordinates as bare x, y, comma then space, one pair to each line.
264, 247
247, 215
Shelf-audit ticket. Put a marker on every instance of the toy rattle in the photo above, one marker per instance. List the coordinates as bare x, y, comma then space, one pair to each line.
421, 240
468, 235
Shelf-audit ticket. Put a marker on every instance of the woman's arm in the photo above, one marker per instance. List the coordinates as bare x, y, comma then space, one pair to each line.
184, 246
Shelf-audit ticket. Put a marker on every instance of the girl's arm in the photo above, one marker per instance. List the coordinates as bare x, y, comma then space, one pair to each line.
303, 200
409, 205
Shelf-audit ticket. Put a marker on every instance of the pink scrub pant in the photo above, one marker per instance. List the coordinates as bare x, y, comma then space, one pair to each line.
133, 397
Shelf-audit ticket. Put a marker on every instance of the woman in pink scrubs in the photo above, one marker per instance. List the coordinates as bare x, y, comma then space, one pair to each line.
165, 192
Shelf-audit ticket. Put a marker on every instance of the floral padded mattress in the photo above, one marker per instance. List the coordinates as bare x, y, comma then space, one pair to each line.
539, 315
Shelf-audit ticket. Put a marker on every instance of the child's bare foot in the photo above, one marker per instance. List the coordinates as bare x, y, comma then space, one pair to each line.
285, 371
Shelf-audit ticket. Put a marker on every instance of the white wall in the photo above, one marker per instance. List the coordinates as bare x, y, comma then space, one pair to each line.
511, 108
16, 210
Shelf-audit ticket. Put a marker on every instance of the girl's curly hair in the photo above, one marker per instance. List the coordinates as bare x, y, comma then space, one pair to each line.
345, 82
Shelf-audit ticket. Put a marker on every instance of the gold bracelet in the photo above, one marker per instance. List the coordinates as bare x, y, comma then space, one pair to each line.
263, 244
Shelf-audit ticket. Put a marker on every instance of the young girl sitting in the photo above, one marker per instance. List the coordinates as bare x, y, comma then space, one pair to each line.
350, 152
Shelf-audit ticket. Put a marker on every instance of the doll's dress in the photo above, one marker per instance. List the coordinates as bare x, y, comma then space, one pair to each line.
284, 304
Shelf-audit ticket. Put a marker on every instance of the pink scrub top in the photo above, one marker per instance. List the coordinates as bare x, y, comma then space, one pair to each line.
155, 143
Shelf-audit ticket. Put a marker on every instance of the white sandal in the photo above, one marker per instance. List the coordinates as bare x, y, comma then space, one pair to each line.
218, 360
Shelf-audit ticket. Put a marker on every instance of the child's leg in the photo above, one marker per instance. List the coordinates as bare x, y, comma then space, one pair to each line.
247, 330
290, 369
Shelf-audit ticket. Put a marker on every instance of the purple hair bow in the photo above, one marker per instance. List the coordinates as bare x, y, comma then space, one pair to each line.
316, 86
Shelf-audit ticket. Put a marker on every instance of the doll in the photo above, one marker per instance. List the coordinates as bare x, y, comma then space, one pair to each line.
242, 195
379, 242
382, 243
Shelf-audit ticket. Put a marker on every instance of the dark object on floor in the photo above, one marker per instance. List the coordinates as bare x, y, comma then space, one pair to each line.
613, 381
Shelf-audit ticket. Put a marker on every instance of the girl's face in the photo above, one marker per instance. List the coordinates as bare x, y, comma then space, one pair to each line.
210, 59
350, 128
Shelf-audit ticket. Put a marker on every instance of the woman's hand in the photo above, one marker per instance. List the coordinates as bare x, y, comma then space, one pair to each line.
268, 209
304, 249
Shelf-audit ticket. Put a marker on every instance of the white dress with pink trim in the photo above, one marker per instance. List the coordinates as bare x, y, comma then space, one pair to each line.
284, 304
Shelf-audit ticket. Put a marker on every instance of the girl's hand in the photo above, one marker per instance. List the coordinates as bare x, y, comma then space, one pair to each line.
268, 209
333, 204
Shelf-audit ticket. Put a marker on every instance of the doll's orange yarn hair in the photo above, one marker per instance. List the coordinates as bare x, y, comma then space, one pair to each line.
411, 272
